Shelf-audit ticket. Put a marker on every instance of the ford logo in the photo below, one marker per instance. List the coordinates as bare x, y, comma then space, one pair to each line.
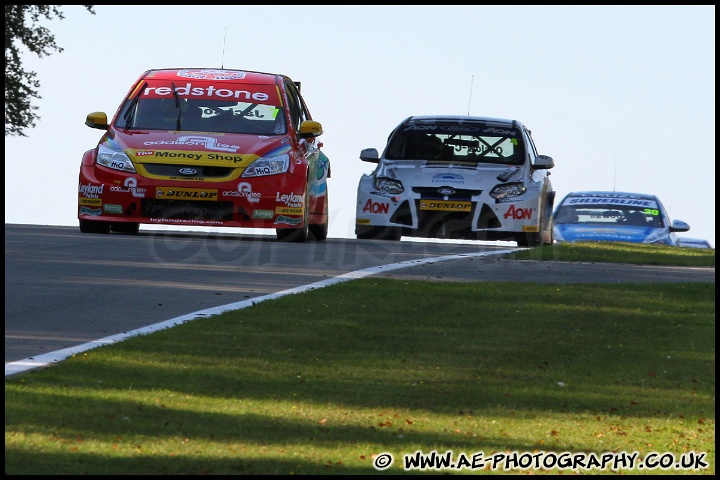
446, 191
188, 171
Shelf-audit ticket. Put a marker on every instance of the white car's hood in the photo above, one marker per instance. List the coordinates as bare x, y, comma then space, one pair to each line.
422, 173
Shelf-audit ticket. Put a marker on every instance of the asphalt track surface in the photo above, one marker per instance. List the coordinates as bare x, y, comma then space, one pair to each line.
33, 253
491, 268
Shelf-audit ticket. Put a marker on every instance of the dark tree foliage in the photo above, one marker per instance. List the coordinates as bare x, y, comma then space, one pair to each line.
21, 87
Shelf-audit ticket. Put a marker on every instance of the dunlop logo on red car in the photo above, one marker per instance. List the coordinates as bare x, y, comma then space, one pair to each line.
288, 210
91, 202
179, 193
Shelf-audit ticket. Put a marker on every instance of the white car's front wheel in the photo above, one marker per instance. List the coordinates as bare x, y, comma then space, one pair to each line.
532, 239
378, 233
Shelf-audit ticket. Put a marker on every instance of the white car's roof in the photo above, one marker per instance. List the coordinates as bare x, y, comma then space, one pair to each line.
460, 118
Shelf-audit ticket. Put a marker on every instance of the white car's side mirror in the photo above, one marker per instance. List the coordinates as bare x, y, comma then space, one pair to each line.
369, 155
543, 162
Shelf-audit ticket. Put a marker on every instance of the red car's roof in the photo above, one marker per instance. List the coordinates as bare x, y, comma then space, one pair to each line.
257, 78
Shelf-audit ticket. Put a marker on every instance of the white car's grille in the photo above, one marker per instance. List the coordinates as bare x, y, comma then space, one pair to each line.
436, 193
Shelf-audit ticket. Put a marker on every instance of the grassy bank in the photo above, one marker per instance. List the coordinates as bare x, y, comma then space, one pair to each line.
330, 380
616, 252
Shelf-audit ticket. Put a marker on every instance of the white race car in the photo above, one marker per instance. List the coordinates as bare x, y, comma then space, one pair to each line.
458, 177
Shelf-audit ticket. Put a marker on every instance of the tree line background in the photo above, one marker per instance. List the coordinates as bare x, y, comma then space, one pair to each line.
23, 31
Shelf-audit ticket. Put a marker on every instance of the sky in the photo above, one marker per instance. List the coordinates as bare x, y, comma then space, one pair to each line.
622, 97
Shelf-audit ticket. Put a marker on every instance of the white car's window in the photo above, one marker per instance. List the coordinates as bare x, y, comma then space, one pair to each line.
453, 143
531, 146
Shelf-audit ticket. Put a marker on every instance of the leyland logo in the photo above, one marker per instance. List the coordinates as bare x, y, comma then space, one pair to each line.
90, 190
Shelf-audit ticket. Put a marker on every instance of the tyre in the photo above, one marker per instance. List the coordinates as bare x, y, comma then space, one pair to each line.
88, 226
532, 239
294, 235
549, 237
320, 231
129, 228
378, 233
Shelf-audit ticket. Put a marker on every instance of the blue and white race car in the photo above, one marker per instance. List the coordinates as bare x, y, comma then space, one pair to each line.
598, 216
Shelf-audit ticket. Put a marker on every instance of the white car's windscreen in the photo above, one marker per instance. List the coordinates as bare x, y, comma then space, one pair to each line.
505, 148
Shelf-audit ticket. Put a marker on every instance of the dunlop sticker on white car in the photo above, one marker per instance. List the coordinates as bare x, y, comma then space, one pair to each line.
445, 205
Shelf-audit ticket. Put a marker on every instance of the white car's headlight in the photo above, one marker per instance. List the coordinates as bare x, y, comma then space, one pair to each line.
388, 185
508, 190
268, 166
115, 159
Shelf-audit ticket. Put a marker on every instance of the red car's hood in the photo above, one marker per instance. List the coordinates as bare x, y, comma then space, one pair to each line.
200, 148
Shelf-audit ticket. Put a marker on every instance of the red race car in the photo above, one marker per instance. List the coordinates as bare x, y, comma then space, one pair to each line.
207, 147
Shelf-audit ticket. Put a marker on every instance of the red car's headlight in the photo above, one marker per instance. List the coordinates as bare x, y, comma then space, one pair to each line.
117, 160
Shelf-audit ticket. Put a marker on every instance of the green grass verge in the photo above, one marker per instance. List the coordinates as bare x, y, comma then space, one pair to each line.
323, 381
619, 252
